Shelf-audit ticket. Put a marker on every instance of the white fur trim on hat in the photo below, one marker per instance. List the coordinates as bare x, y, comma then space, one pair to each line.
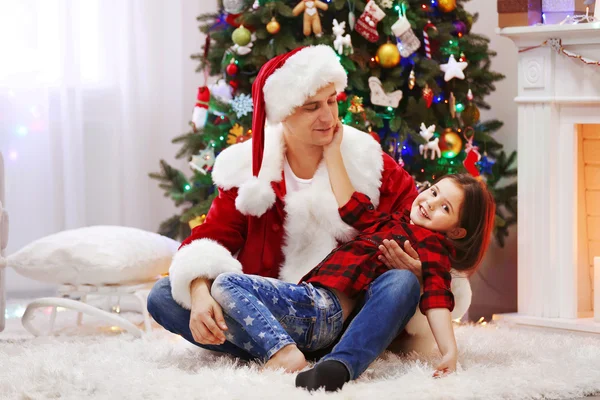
202, 258
255, 197
301, 77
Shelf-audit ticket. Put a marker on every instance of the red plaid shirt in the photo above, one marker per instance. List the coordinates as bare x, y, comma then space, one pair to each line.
351, 267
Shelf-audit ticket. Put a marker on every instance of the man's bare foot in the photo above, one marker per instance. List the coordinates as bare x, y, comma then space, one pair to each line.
289, 358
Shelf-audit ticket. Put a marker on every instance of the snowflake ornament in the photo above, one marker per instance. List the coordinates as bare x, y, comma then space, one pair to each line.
242, 105
386, 3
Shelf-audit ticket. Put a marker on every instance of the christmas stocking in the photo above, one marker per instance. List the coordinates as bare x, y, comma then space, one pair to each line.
201, 108
472, 159
367, 23
403, 31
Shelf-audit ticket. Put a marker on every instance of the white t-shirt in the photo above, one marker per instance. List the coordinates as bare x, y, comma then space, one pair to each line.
292, 182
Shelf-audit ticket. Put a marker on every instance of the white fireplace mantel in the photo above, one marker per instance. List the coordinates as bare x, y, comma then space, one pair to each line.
556, 96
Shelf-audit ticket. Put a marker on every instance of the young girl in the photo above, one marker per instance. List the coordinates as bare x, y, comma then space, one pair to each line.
449, 225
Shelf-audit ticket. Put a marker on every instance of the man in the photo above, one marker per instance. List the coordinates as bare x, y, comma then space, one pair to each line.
276, 215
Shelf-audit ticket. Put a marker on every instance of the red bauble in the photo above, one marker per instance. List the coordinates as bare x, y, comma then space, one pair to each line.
234, 84
231, 20
342, 96
232, 69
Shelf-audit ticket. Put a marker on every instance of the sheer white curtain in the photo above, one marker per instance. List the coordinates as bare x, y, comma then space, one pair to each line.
91, 93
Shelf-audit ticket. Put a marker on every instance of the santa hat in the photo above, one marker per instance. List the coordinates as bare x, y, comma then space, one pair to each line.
283, 84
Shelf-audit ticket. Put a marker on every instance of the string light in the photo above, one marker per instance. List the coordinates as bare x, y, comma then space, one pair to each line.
460, 107
221, 137
187, 187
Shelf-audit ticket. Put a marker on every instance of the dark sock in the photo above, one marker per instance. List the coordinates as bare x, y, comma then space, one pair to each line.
329, 374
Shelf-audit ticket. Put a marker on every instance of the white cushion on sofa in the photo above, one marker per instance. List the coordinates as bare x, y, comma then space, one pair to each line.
95, 255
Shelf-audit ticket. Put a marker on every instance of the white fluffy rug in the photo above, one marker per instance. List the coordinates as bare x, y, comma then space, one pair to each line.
496, 363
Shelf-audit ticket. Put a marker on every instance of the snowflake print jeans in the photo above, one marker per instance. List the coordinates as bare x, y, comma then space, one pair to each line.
271, 314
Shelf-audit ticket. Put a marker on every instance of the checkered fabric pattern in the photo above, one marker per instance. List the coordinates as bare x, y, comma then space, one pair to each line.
352, 266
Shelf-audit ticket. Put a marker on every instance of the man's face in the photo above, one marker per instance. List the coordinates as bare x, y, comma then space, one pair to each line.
314, 122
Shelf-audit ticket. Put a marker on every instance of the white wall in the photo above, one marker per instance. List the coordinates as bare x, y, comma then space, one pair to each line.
495, 284
30, 222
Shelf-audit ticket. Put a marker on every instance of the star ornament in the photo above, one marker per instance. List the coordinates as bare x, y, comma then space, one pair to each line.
453, 69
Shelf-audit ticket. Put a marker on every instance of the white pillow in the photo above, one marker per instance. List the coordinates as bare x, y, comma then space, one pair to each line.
95, 255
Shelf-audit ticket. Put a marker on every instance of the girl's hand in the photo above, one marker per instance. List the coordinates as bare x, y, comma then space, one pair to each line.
338, 135
446, 366
396, 257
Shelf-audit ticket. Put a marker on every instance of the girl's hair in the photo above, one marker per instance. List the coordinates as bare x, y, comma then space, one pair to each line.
477, 218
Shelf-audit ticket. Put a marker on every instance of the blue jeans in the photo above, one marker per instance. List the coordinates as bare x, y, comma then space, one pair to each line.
174, 318
276, 313
389, 303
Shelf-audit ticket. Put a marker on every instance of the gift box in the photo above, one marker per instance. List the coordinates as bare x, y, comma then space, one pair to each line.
519, 12
555, 11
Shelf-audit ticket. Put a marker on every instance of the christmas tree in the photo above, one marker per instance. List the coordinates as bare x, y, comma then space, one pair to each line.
417, 78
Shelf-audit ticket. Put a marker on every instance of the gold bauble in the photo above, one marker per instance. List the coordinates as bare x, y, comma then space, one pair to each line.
450, 143
273, 27
470, 115
447, 5
199, 220
388, 55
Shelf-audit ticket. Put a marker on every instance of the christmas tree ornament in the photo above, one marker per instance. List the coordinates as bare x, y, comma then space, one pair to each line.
244, 50
412, 80
236, 135
453, 69
232, 68
312, 21
388, 55
386, 3
273, 26
232, 19
380, 98
234, 84
242, 105
486, 165
356, 105
460, 28
201, 108
366, 25
473, 155
447, 5
234, 6
426, 40
241, 36
470, 95
342, 43
452, 105
403, 32
450, 143
432, 146
462, 57
221, 91
204, 161
470, 115
351, 14
428, 95
342, 96
197, 221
